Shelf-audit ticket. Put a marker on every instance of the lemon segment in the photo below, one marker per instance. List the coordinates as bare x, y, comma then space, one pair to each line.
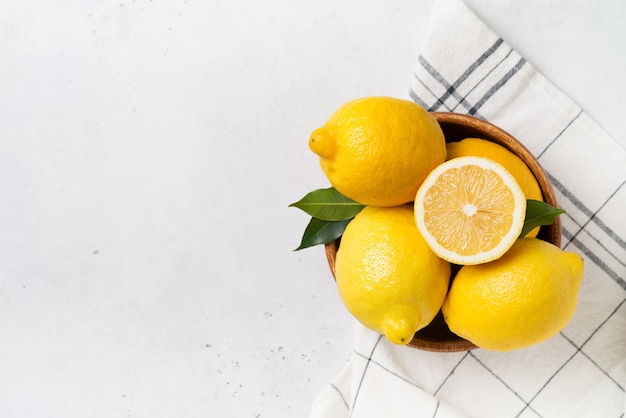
470, 210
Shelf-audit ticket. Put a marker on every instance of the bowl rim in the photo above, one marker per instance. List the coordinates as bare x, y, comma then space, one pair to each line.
458, 122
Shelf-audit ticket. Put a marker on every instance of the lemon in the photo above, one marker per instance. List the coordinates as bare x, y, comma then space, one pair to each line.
387, 276
496, 152
470, 210
378, 150
523, 298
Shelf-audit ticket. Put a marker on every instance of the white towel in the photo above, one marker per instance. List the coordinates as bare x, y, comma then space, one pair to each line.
467, 68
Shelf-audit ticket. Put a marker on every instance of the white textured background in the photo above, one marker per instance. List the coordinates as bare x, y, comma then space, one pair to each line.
148, 152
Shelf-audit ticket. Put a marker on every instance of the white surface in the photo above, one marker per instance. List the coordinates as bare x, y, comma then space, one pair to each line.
148, 152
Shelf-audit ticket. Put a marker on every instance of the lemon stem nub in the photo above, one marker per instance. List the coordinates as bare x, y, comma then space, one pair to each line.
400, 331
321, 143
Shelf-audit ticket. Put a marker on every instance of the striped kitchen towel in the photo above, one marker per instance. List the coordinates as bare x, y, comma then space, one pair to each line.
465, 67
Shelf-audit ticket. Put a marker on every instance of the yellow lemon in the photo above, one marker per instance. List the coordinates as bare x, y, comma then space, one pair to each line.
378, 150
523, 298
387, 276
470, 210
496, 152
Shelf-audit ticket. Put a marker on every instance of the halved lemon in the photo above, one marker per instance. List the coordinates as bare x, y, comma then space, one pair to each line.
470, 210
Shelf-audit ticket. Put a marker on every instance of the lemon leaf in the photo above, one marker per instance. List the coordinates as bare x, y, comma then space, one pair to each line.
539, 213
328, 205
319, 232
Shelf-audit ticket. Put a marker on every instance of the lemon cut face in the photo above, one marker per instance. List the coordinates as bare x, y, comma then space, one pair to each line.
515, 165
470, 210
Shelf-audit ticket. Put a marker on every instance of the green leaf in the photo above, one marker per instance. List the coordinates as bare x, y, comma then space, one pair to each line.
539, 213
328, 205
322, 232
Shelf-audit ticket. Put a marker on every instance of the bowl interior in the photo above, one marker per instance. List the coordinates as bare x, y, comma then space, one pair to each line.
437, 336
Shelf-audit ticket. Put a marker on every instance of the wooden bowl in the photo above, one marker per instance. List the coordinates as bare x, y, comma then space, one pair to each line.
437, 336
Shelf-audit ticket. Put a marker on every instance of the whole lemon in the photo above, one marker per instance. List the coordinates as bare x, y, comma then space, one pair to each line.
387, 276
515, 165
479, 147
378, 150
525, 297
